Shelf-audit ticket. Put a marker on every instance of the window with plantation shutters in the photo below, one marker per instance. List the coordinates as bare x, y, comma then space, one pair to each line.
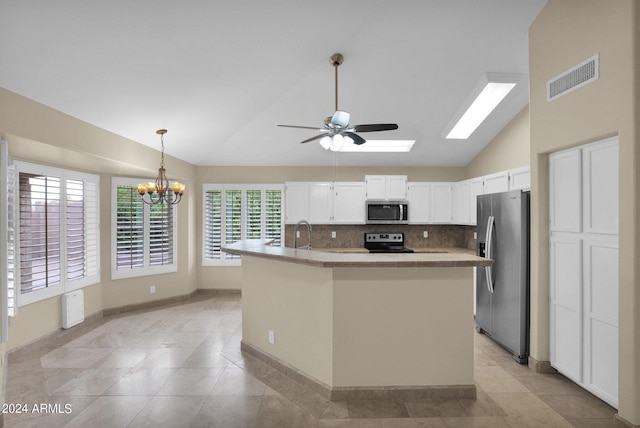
129, 228
8, 245
232, 212
143, 236
40, 229
58, 231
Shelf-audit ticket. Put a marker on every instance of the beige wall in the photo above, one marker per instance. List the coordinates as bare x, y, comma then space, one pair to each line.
42, 135
509, 149
566, 33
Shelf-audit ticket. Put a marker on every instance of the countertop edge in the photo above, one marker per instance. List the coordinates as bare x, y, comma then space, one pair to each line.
262, 248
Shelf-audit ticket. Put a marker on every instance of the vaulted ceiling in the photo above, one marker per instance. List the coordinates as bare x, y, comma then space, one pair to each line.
220, 75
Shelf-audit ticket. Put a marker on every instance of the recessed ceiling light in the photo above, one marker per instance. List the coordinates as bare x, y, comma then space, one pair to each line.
485, 97
380, 146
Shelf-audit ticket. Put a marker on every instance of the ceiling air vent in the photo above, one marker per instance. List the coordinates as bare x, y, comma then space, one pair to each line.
574, 78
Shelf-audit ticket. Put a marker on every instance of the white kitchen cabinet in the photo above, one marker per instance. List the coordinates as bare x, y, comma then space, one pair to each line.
461, 202
296, 202
496, 183
520, 178
386, 186
476, 187
320, 203
418, 197
583, 265
348, 203
441, 203
311, 201
325, 202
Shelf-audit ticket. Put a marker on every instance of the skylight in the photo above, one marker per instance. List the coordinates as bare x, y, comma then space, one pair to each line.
485, 97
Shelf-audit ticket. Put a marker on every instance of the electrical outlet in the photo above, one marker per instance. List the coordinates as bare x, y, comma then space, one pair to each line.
425, 234
152, 289
272, 337
333, 234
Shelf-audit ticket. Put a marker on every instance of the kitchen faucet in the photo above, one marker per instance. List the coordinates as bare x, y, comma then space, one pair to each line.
295, 234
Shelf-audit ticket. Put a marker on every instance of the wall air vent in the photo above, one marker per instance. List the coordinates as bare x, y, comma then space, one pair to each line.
574, 78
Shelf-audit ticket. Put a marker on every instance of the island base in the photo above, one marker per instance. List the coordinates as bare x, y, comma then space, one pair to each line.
345, 393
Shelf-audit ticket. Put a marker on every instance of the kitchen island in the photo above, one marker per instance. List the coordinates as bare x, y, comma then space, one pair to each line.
359, 325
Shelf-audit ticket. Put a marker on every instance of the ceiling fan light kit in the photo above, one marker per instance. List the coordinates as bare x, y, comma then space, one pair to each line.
336, 133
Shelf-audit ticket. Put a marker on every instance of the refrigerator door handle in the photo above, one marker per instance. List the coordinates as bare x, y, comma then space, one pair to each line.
489, 254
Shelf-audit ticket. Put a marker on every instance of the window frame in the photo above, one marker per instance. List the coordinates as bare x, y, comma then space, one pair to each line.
92, 237
226, 259
146, 269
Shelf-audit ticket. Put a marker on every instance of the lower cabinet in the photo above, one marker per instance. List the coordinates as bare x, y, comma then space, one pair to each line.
583, 265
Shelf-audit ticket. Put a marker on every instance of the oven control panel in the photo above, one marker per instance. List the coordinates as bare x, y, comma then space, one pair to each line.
395, 238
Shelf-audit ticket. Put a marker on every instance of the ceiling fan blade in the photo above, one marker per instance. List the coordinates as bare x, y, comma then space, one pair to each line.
340, 119
302, 127
375, 127
313, 138
355, 137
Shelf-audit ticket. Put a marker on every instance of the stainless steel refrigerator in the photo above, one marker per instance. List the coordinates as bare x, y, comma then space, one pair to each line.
502, 290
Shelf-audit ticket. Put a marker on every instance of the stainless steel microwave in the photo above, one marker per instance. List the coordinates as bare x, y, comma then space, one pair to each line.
387, 212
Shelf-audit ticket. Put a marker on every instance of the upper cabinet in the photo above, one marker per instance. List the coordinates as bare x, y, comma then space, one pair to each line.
429, 202
320, 203
520, 178
465, 202
441, 203
496, 183
461, 202
386, 186
325, 202
348, 203
418, 196
311, 201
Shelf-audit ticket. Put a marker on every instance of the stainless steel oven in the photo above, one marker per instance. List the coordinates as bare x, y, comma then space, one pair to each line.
387, 212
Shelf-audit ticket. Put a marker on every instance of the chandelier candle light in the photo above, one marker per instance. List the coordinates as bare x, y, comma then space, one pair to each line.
161, 192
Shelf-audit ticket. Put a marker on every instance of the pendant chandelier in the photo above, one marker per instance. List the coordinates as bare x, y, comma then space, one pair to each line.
161, 191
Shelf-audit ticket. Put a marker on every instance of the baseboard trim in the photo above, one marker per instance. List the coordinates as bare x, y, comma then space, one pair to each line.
541, 366
25, 350
219, 291
148, 305
361, 392
620, 422
173, 300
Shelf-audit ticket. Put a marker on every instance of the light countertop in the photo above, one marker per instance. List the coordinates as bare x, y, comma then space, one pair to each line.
358, 257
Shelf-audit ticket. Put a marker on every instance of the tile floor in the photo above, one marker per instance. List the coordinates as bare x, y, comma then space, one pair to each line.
180, 366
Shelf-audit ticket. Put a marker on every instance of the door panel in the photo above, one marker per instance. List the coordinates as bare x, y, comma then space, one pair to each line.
566, 306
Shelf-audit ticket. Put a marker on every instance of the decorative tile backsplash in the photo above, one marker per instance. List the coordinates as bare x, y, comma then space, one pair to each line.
352, 236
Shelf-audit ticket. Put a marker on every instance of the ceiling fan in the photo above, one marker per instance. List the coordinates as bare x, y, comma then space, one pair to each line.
336, 128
